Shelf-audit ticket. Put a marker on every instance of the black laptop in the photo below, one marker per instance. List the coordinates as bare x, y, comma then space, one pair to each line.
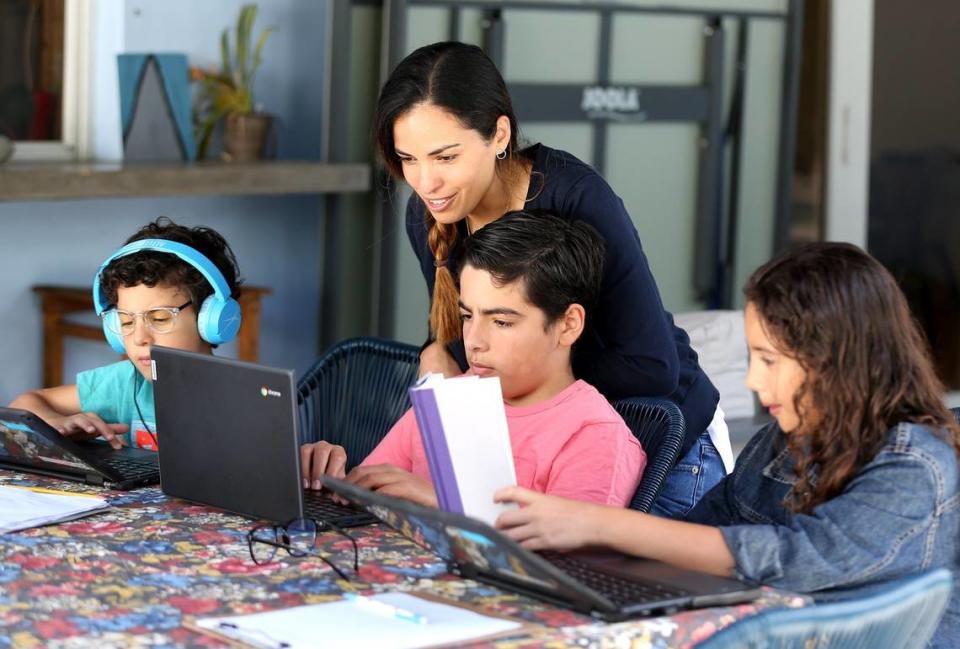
609, 586
29, 444
229, 439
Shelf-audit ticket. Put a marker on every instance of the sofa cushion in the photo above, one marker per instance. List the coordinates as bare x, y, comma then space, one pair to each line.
718, 338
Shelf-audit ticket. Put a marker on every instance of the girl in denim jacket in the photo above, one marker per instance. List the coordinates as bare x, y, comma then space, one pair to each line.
855, 483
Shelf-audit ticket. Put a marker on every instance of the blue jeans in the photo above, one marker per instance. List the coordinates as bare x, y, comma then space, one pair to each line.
695, 474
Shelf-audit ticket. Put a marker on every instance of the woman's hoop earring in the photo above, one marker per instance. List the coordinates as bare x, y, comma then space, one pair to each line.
502, 154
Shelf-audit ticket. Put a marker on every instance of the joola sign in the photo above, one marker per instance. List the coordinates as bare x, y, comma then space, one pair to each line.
610, 99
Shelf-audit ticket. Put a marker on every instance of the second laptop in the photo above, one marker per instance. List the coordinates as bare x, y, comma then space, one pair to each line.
228, 439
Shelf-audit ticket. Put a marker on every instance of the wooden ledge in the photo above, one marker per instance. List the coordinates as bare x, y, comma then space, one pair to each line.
58, 181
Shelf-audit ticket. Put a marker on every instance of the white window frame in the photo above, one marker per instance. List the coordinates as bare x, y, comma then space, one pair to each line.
76, 93
848, 130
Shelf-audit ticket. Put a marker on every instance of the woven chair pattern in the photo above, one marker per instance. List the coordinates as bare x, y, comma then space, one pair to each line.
659, 426
355, 392
904, 615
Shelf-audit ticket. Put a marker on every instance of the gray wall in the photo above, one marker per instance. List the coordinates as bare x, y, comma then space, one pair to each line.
277, 240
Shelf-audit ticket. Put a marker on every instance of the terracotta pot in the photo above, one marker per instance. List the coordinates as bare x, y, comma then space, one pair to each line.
244, 136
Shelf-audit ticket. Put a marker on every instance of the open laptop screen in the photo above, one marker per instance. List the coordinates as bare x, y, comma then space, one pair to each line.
468, 545
22, 443
607, 585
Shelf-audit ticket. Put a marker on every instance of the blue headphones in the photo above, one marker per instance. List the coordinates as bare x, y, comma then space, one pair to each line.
219, 318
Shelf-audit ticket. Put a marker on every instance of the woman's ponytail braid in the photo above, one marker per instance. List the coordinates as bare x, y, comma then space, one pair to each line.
444, 309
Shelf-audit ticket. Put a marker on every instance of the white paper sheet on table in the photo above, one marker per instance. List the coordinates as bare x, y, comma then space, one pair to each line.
344, 623
23, 508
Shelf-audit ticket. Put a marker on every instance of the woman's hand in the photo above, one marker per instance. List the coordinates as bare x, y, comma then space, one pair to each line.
88, 425
321, 458
435, 358
391, 480
548, 522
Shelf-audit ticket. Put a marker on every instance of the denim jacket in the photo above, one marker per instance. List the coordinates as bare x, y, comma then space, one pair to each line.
899, 515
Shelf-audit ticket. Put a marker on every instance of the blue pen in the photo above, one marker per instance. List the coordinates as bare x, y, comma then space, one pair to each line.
383, 608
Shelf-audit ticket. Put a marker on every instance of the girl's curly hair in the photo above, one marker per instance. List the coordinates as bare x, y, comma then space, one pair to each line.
841, 315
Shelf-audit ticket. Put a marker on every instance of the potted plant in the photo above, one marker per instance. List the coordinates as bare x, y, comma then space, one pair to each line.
227, 94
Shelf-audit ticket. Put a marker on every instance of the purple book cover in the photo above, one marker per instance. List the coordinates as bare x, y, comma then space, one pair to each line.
435, 445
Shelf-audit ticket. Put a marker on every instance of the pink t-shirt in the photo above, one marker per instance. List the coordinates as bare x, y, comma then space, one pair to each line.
574, 445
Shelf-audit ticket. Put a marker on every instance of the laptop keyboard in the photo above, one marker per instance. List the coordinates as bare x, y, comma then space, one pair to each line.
132, 468
322, 508
622, 592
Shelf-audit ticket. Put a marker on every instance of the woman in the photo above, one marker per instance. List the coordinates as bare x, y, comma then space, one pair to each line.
857, 481
445, 124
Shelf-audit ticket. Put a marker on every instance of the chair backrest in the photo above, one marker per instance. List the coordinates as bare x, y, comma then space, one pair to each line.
904, 615
355, 392
956, 414
659, 426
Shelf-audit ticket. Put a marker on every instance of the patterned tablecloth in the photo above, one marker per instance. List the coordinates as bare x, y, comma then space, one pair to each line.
129, 576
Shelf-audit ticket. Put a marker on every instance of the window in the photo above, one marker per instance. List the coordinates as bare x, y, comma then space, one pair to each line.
44, 77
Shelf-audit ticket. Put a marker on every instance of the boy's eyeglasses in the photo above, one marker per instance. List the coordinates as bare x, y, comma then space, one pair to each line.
298, 538
161, 319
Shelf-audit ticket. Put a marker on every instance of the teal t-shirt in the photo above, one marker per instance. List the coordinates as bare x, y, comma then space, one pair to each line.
108, 391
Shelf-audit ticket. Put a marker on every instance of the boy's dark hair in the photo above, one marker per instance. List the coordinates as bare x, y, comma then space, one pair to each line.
163, 269
559, 262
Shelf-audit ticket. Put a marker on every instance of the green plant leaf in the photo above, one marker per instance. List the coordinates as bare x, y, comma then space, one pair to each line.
206, 131
257, 51
244, 27
229, 91
227, 65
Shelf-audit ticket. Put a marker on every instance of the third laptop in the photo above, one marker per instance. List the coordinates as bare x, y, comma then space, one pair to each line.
606, 585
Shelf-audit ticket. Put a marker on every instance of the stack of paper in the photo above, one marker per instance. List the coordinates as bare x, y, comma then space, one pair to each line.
383, 621
464, 430
22, 508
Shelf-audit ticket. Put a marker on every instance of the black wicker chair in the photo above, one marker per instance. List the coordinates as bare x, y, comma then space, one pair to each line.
659, 426
355, 392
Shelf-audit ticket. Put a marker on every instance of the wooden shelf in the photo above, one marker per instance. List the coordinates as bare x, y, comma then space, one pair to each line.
58, 181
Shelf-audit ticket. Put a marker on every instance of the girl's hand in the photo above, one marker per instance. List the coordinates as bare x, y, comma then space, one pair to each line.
391, 480
87, 425
547, 522
435, 358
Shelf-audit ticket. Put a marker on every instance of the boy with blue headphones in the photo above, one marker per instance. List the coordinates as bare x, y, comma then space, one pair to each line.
169, 285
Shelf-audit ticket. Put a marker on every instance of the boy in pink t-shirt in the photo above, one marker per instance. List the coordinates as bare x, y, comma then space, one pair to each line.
526, 281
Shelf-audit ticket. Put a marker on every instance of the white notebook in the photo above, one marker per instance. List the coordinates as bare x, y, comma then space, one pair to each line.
25, 507
350, 623
463, 426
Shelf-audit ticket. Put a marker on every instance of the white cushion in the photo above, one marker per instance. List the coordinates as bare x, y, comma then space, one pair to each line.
718, 338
